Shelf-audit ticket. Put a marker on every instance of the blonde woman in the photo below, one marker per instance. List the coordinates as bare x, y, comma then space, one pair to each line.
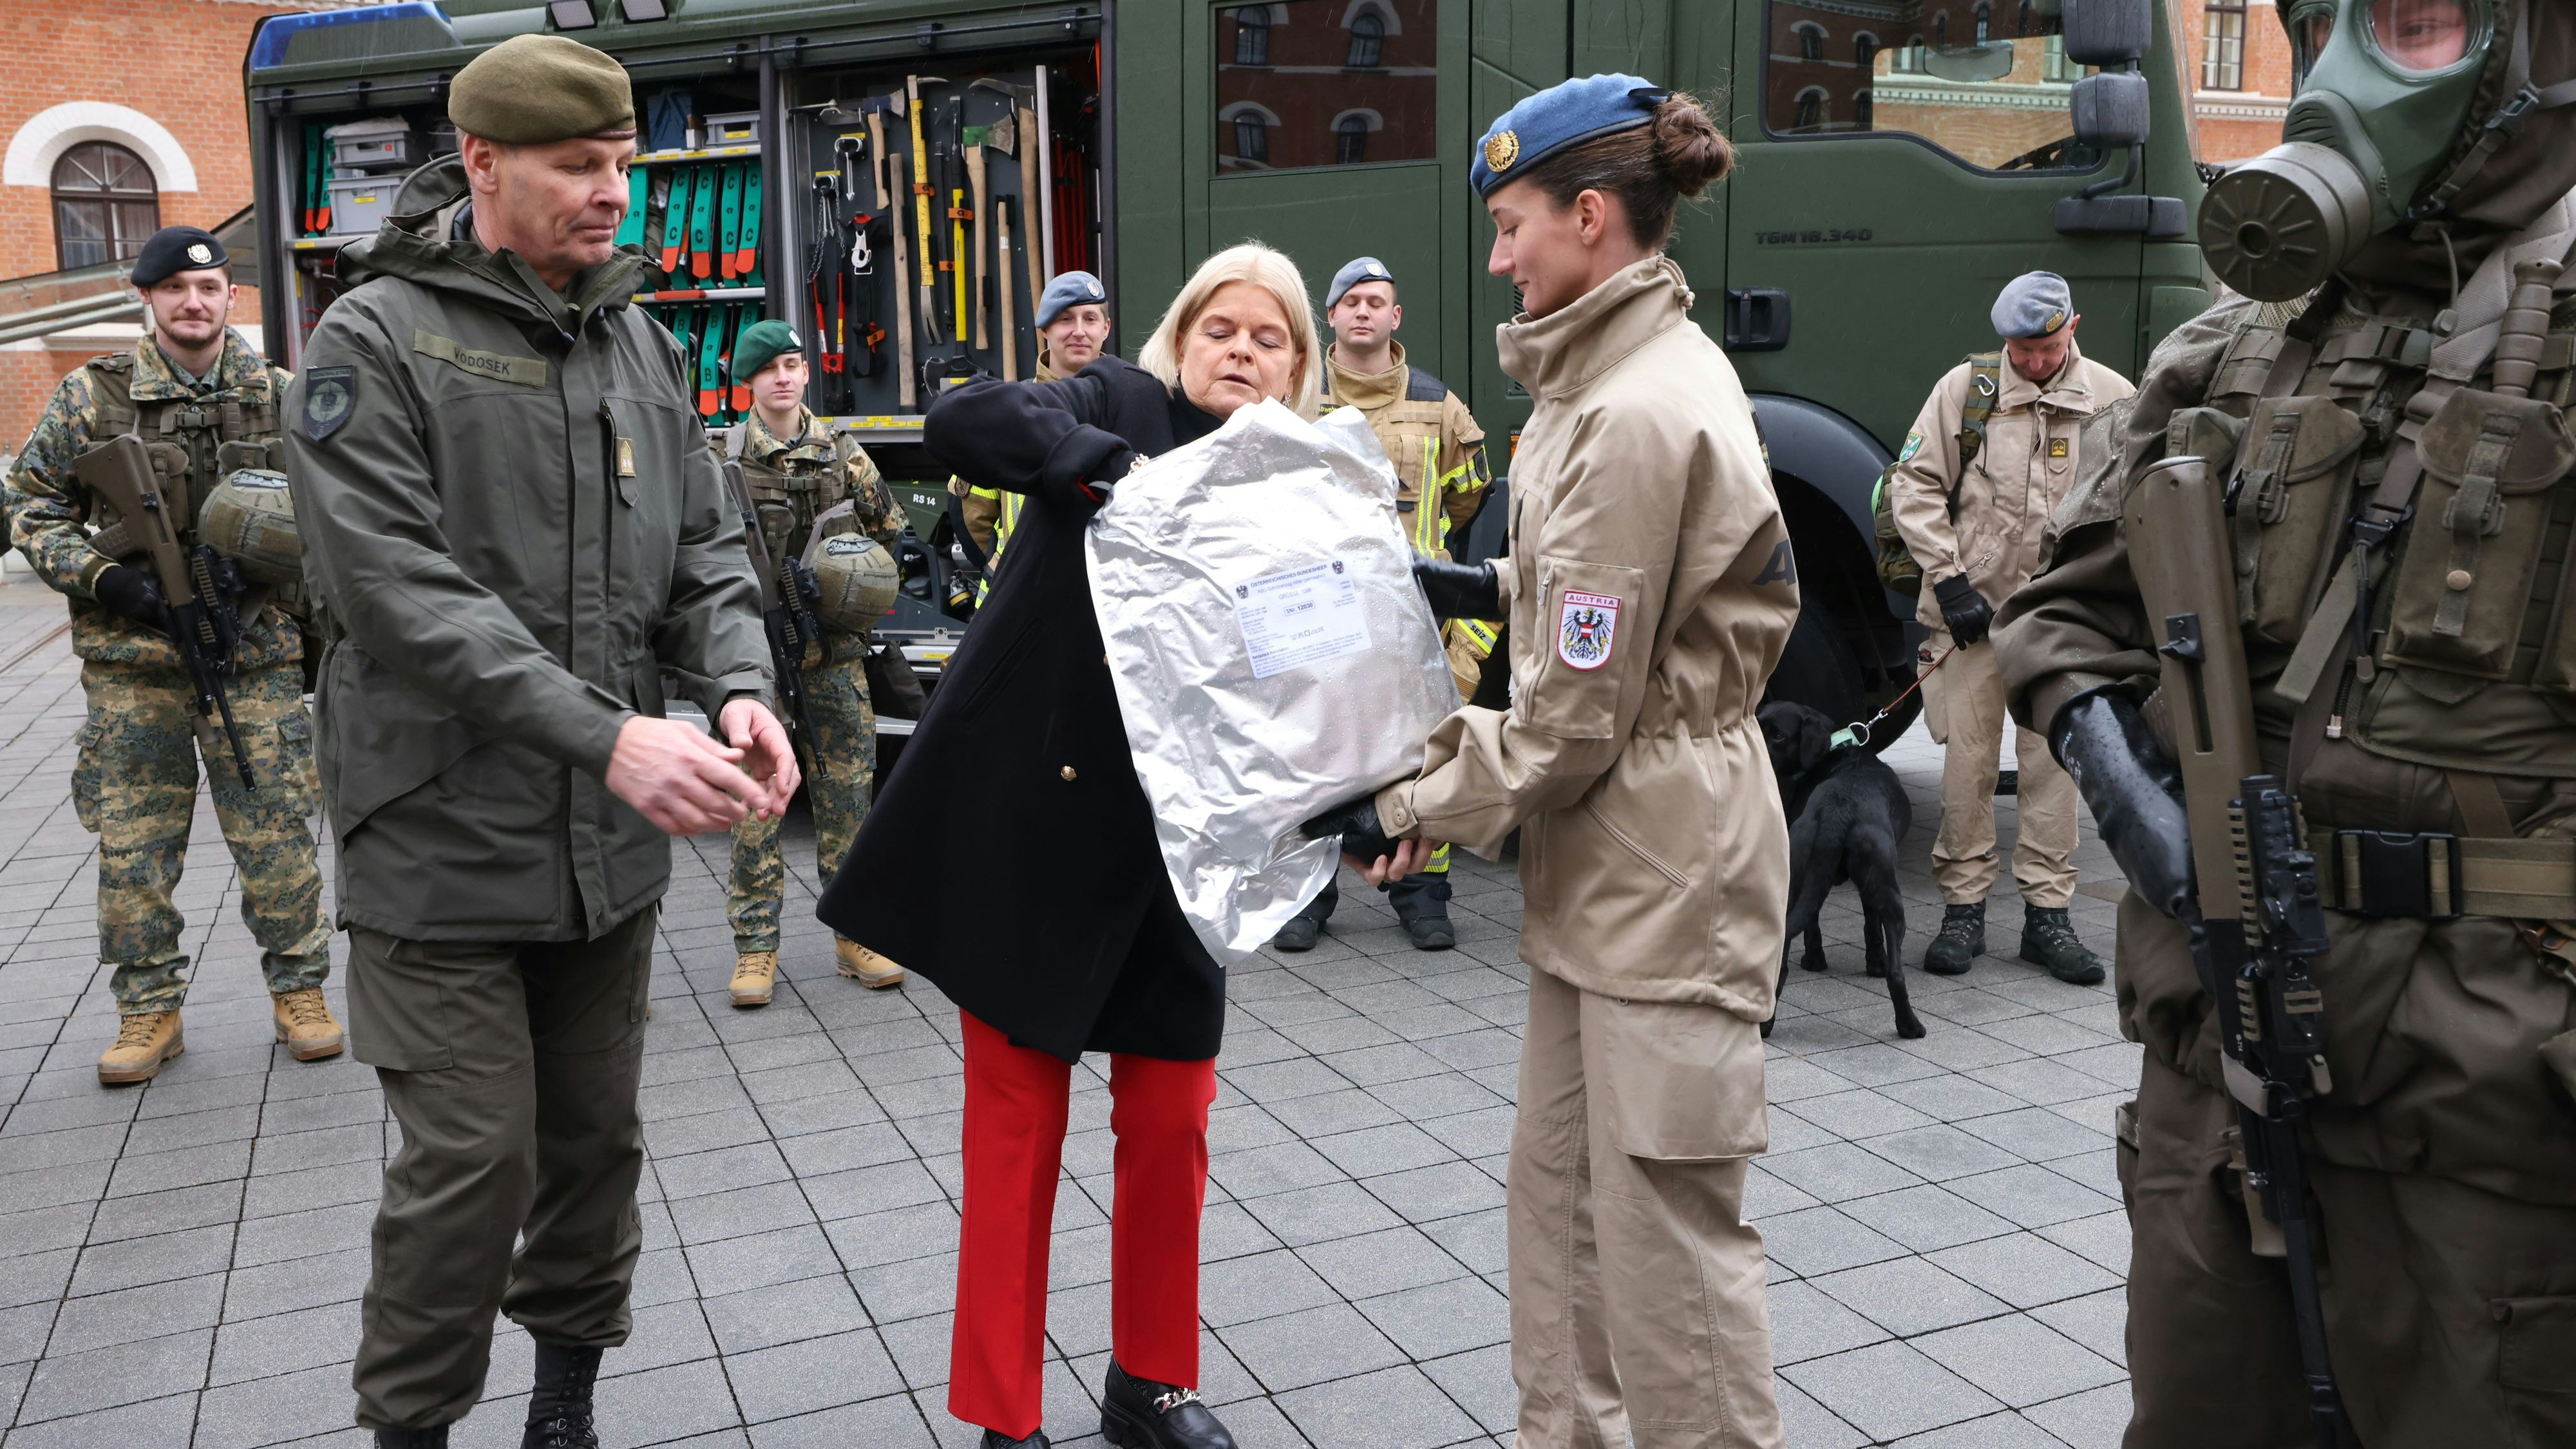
1022, 758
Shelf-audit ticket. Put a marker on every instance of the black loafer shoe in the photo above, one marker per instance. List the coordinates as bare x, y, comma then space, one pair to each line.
995, 1439
1141, 1414
1431, 933
1300, 934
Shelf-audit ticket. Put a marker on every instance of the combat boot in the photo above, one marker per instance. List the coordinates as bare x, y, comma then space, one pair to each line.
1300, 934
864, 966
1430, 933
431, 1438
305, 1024
559, 1405
755, 973
143, 1042
1961, 941
1142, 1414
2048, 939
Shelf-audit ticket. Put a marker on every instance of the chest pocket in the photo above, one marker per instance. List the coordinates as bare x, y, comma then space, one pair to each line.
2290, 493
2483, 524
645, 447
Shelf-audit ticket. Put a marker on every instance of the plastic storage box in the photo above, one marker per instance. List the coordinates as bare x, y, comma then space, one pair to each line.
387, 144
733, 128
360, 204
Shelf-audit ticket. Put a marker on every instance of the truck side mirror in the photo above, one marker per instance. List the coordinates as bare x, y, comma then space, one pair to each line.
2110, 110
2108, 32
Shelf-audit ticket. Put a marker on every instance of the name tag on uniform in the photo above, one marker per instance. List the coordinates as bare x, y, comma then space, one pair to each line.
2057, 447
626, 457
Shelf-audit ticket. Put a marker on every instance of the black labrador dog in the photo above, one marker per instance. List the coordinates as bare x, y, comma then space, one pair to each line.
1847, 813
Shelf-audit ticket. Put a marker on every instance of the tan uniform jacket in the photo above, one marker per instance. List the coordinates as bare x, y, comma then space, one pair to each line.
2028, 461
1426, 431
1651, 589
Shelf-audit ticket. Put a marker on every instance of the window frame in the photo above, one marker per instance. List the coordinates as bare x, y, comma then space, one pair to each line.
1374, 38
2222, 55
1896, 55
1243, 33
110, 203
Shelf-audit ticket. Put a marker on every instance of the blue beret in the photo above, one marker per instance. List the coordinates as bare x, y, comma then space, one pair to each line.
1070, 289
1558, 117
1356, 271
2033, 304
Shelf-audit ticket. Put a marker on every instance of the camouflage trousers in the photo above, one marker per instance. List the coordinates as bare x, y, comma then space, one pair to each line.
837, 785
134, 784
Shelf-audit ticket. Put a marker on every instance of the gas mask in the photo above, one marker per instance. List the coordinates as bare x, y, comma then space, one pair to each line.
2373, 139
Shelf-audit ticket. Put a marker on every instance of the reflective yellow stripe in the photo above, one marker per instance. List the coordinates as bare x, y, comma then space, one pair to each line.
1012, 503
1426, 499
1480, 631
1439, 861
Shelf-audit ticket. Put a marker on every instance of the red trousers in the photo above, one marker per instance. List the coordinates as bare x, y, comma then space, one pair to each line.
1014, 1144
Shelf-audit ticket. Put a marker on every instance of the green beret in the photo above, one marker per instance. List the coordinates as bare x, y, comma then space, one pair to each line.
759, 345
533, 89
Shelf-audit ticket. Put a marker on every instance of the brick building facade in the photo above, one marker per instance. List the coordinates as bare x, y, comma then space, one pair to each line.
2237, 65
115, 116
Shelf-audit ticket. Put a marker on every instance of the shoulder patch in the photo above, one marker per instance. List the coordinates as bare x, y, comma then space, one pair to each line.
330, 395
1420, 386
1587, 626
1913, 445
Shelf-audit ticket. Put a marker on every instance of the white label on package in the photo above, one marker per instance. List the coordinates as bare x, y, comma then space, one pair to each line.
1300, 617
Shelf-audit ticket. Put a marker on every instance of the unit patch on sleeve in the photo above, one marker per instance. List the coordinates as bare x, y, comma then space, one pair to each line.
1587, 625
329, 394
1913, 444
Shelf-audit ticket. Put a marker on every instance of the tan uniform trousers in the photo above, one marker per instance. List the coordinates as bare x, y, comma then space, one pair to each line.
1963, 703
1637, 1310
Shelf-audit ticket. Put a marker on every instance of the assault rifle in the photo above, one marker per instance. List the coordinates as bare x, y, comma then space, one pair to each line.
786, 610
2259, 921
198, 585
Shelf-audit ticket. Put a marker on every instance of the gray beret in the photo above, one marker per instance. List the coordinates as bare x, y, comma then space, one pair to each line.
2033, 304
1358, 270
534, 89
1070, 289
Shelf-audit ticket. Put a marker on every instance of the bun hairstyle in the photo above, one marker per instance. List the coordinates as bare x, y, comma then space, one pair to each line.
1651, 168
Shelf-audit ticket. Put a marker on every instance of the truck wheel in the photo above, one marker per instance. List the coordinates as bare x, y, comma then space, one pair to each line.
1818, 670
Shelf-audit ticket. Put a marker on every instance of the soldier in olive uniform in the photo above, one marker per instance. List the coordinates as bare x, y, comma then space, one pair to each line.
1439, 454
515, 525
2401, 482
799, 474
1073, 325
207, 405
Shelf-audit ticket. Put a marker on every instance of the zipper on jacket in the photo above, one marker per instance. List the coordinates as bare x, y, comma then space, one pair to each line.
608, 504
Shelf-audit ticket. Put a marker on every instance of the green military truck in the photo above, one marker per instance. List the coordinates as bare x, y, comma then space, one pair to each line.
1900, 160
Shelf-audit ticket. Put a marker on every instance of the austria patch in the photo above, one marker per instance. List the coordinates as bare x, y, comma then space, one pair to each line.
1585, 629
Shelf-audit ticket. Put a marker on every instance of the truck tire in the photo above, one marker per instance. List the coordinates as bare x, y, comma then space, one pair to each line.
1817, 670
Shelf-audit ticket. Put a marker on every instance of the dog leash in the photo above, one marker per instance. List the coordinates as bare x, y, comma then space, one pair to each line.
1856, 735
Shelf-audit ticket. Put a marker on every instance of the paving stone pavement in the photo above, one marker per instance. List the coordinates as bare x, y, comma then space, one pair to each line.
180, 1263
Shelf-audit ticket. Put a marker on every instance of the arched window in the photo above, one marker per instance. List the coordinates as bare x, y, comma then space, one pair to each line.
1941, 31
2029, 21
1350, 141
1811, 40
106, 205
1810, 114
1861, 110
1985, 20
1368, 40
1251, 139
1864, 50
1252, 35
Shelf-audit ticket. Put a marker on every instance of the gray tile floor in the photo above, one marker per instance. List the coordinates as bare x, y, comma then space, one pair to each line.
180, 1263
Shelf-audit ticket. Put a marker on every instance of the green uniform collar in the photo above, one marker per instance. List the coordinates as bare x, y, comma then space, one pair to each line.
762, 445
413, 246
156, 378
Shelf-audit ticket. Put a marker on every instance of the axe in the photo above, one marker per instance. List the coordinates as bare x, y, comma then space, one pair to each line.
1003, 136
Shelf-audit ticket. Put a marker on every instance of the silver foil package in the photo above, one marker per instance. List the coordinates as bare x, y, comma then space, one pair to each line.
1271, 652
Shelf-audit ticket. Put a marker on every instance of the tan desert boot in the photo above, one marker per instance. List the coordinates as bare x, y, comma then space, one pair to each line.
143, 1042
755, 973
864, 966
305, 1024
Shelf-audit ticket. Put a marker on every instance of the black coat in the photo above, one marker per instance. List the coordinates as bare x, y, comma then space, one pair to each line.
1047, 912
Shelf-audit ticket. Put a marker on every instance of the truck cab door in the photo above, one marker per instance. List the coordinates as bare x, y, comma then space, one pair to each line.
1898, 167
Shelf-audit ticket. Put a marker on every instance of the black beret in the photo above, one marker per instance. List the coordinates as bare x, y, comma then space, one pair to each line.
176, 249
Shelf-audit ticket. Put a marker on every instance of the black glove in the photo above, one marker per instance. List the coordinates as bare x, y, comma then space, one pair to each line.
1355, 821
2134, 792
1460, 591
1964, 611
130, 593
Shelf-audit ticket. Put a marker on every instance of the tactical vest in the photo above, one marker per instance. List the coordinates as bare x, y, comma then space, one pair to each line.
194, 443
2470, 661
789, 494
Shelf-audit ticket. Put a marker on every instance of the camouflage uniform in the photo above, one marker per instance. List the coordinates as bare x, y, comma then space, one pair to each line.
135, 779
792, 483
